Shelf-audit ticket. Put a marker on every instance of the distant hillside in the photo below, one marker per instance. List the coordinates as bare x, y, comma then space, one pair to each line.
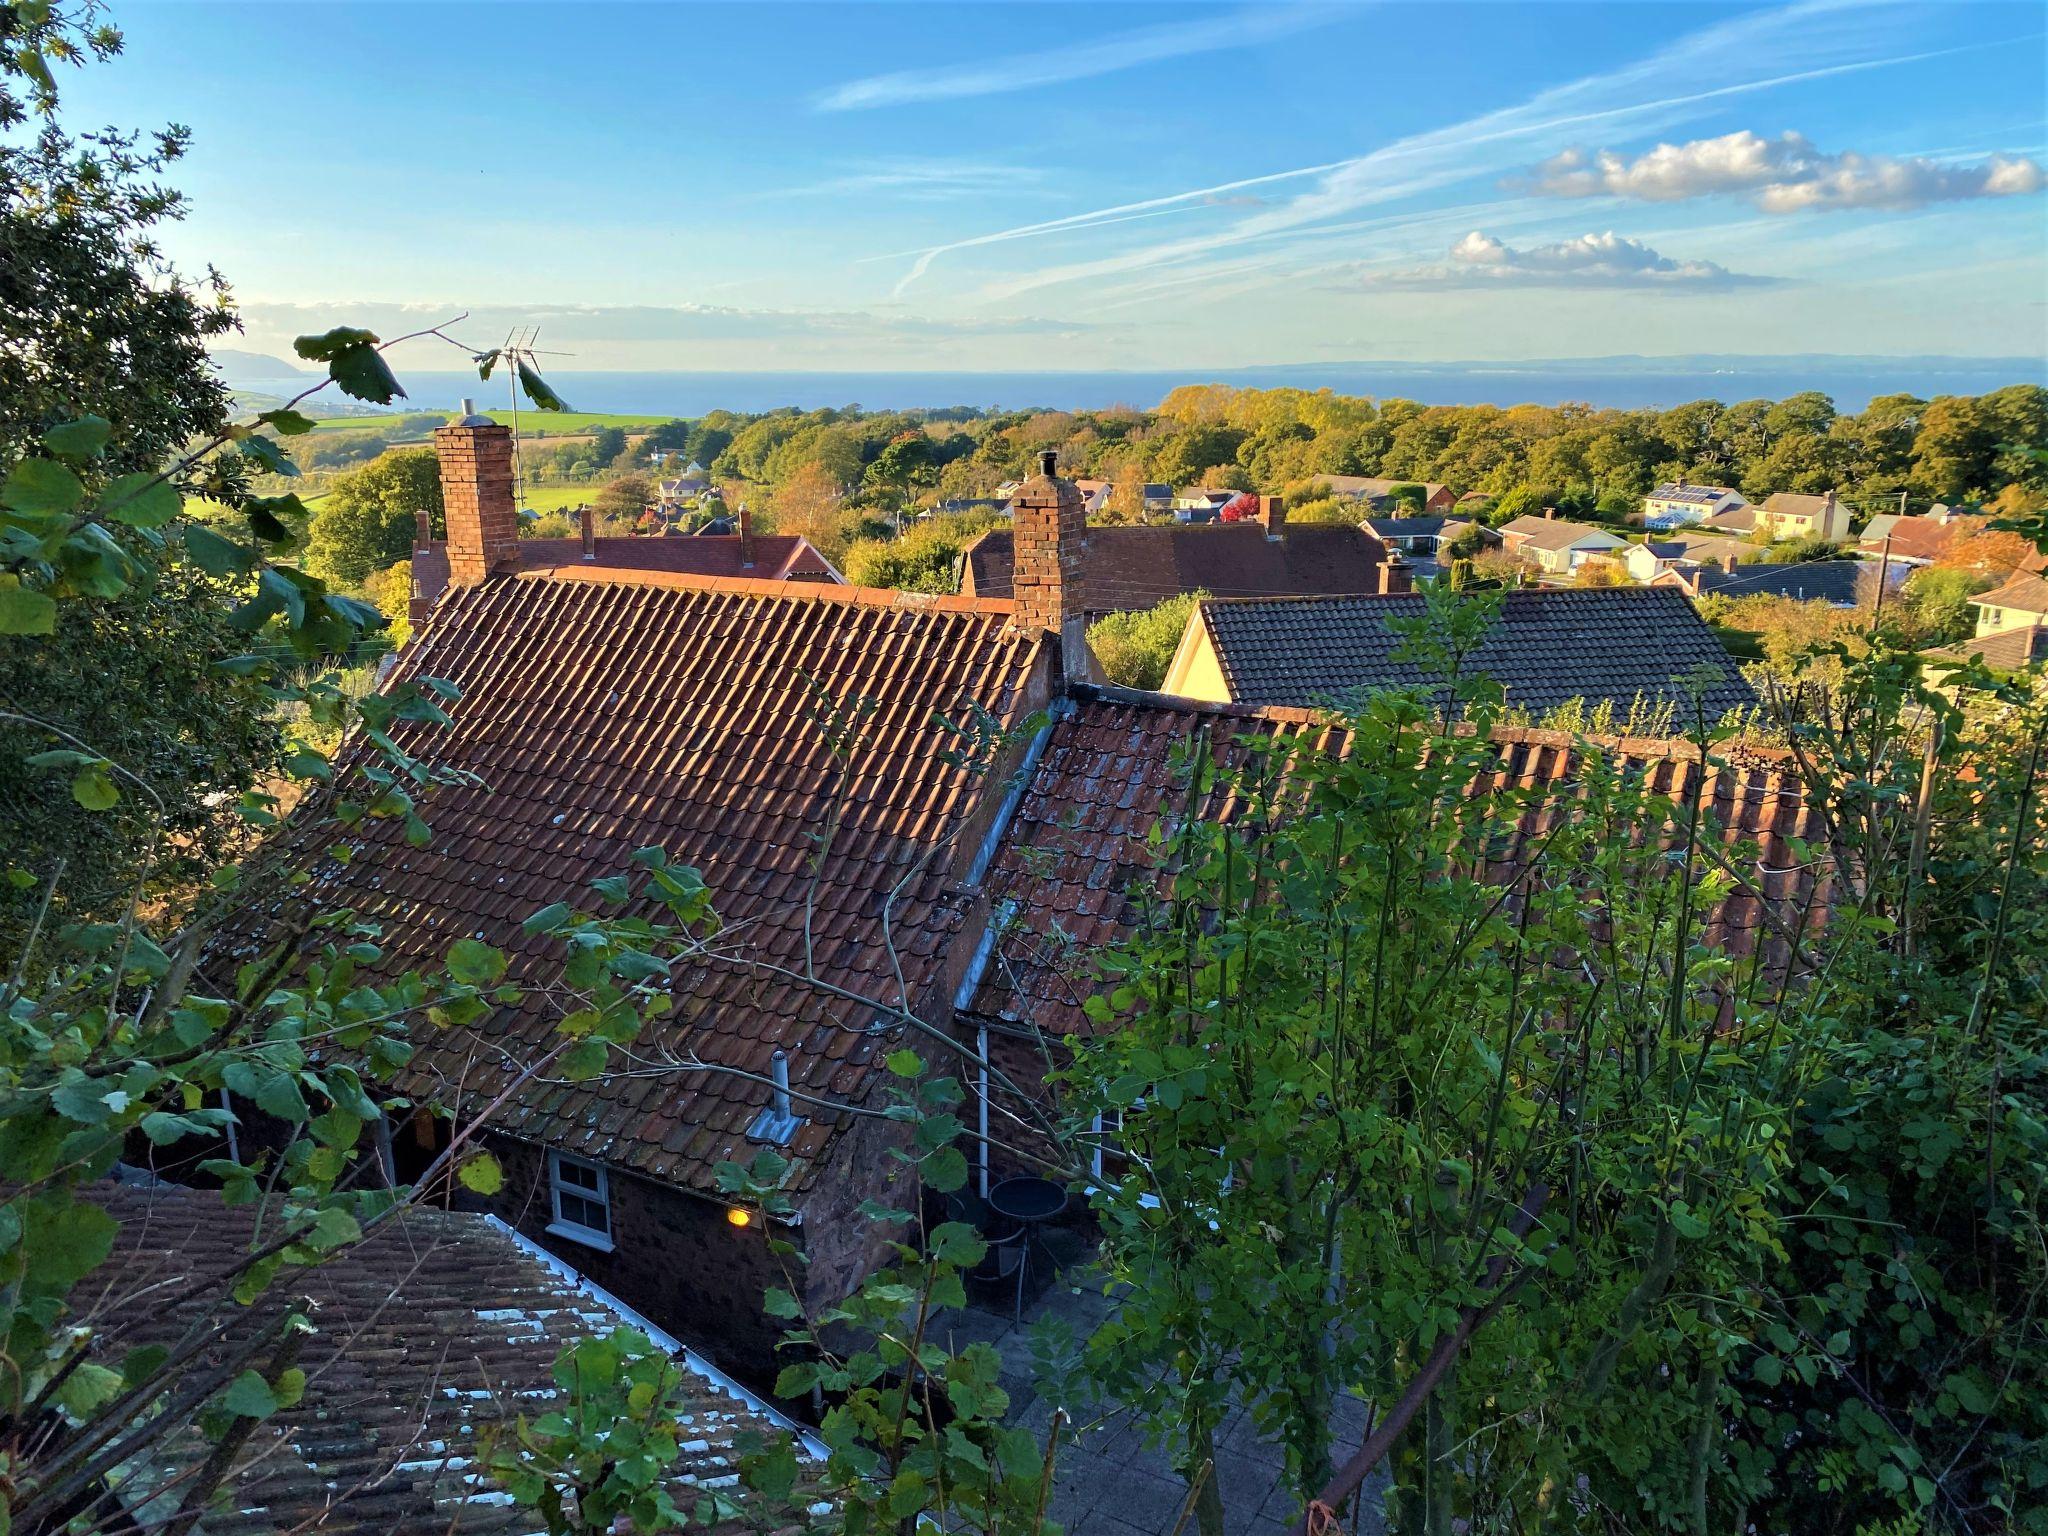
237, 366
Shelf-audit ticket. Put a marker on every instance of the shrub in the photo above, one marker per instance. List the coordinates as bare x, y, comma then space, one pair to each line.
1135, 649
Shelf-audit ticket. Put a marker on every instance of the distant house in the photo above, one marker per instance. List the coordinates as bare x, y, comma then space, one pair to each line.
975, 504
1737, 521
1437, 499
1423, 537
1913, 541
2022, 603
1095, 494
1127, 567
1157, 496
1838, 583
1715, 549
1555, 545
1652, 558
687, 486
1200, 504
1788, 515
1675, 504
1611, 646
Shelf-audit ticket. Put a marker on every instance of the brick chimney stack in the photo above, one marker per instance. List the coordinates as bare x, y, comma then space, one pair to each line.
476, 495
1049, 531
1396, 574
588, 518
1273, 515
746, 538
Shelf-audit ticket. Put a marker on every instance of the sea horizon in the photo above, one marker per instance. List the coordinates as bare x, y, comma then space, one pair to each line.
1624, 383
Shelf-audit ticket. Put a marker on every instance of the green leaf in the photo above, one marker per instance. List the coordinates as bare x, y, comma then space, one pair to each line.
538, 392
23, 612
215, 555
80, 439
482, 1174
141, 501
287, 421
585, 1060
93, 788
361, 371
249, 1397
779, 1303
904, 1063
40, 487
321, 348
474, 963
544, 919
945, 1170
89, 1388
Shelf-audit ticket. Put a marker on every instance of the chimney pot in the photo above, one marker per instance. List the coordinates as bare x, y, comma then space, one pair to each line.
1048, 462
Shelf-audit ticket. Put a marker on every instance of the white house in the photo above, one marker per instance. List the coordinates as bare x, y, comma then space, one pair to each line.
1674, 504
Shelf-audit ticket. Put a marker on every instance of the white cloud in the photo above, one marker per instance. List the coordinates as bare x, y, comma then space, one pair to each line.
1782, 175
1808, 40
1077, 61
1591, 261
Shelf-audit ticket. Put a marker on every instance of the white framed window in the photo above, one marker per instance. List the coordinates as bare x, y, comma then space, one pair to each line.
582, 1201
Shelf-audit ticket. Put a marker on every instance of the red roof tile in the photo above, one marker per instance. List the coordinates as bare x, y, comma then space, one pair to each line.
1076, 854
604, 713
774, 557
1129, 567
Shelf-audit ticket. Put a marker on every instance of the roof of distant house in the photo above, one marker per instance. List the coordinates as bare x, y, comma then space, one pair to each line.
606, 711
1077, 862
1841, 582
1666, 549
1132, 566
1553, 532
1548, 647
1797, 504
1696, 495
1406, 527
435, 1327
1735, 520
2010, 649
1375, 485
2028, 594
769, 556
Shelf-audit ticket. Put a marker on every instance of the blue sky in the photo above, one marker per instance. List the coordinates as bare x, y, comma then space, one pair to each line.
997, 186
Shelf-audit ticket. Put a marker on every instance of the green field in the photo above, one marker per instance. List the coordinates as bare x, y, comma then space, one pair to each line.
531, 423
557, 498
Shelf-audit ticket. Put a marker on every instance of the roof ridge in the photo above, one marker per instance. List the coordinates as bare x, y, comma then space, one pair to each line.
761, 586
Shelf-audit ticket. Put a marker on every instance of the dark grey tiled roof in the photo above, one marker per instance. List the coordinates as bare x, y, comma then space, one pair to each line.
1841, 582
1547, 648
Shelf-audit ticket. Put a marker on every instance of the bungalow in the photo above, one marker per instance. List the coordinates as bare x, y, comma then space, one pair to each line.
1789, 515
1199, 504
1549, 648
1913, 541
1123, 568
1647, 561
1095, 494
1838, 583
1436, 498
1675, 503
1555, 545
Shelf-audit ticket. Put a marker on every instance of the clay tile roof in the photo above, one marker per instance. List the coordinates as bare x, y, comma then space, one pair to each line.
2028, 594
1075, 862
436, 1326
2009, 649
1547, 648
602, 714
1129, 567
775, 556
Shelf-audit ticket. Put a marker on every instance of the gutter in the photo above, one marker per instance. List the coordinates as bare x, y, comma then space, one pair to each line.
691, 1361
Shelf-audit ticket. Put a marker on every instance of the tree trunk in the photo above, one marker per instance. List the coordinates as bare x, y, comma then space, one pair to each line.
1208, 1497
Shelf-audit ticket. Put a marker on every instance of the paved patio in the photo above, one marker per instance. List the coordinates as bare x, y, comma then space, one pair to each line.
1111, 1483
